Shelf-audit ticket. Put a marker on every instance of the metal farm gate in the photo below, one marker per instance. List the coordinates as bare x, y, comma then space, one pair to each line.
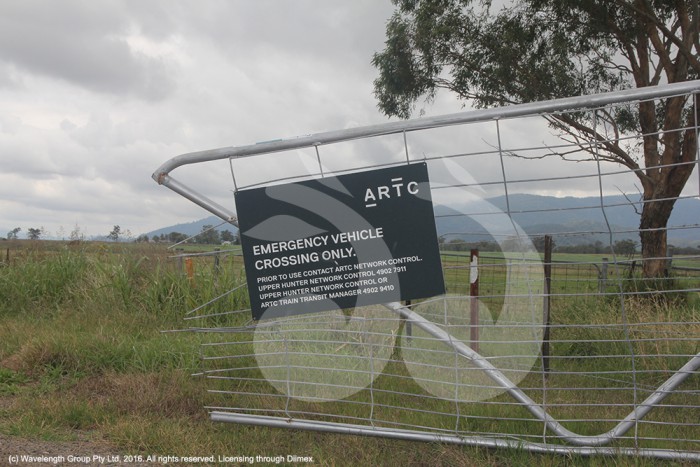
548, 337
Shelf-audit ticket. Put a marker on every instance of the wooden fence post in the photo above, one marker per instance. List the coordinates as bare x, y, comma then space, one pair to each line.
547, 301
474, 299
180, 263
603, 279
409, 325
216, 262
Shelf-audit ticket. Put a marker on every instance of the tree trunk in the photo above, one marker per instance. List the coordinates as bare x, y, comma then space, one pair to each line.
652, 232
665, 176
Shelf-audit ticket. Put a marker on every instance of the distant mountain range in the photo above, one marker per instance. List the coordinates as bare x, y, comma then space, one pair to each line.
192, 228
572, 220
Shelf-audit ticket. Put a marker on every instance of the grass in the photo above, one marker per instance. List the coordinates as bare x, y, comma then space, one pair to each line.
81, 351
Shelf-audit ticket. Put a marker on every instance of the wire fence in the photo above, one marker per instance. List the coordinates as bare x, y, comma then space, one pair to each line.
595, 275
566, 348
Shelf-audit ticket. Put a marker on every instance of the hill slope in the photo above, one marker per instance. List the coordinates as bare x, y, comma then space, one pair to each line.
192, 228
576, 220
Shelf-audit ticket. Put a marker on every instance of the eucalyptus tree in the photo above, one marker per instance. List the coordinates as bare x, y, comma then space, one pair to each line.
531, 50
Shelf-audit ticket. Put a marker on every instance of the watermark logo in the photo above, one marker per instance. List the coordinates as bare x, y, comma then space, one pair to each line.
334, 353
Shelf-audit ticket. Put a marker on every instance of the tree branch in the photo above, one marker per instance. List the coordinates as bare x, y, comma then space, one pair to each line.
617, 153
683, 49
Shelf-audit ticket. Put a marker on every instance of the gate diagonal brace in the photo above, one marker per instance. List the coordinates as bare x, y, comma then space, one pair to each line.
537, 410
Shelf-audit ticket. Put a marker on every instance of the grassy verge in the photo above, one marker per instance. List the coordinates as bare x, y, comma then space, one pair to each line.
81, 351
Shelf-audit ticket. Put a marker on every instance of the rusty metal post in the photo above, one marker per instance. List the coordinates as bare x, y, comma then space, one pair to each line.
189, 267
474, 299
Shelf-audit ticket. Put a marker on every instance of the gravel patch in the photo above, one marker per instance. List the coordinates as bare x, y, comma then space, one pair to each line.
83, 451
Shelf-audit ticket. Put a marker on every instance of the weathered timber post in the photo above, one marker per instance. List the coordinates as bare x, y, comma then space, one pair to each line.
216, 262
474, 299
547, 300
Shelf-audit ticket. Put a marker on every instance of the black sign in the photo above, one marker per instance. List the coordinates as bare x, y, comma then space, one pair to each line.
340, 242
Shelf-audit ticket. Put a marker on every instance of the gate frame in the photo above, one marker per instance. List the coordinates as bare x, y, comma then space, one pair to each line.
580, 444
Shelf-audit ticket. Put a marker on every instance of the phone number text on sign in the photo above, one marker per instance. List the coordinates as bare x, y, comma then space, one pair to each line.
340, 242
332, 282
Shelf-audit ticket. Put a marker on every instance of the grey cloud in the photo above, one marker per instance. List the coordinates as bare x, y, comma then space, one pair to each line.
9, 78
82, 43
82, 128
315, 31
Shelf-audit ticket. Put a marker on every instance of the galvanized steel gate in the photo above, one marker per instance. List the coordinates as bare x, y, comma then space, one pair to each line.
621, 375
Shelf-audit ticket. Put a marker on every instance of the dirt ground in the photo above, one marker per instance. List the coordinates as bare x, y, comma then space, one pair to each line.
79, 452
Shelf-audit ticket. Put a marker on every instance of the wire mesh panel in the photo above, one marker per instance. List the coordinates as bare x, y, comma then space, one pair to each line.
567, 325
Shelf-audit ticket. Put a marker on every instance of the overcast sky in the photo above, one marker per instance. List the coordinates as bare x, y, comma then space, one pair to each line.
97, 95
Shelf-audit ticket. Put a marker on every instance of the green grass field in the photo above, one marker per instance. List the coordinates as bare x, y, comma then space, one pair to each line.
82, 352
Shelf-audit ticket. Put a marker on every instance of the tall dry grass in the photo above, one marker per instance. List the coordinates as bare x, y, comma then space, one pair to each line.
81, 351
